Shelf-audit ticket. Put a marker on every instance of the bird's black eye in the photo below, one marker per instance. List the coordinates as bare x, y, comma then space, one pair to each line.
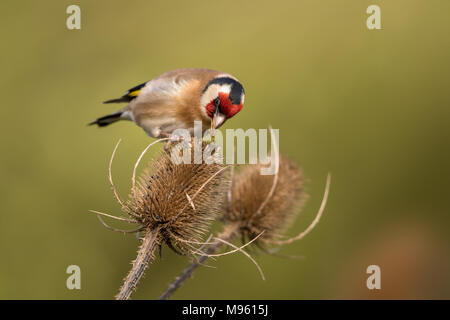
216, 104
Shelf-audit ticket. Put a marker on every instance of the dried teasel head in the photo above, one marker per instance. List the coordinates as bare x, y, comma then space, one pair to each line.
173, 202
260, 204
179, 199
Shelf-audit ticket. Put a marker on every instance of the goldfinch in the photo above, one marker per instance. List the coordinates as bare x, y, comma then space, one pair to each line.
176, 99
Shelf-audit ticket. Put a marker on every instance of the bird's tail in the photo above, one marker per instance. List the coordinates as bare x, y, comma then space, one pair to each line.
106, 120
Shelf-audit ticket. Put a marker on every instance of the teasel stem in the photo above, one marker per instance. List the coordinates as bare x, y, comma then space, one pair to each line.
144, 256
228, 233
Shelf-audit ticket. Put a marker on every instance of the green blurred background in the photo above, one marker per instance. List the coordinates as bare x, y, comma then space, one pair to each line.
371, 107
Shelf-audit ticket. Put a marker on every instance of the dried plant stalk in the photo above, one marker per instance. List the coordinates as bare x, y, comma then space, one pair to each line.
145, 254
228, 233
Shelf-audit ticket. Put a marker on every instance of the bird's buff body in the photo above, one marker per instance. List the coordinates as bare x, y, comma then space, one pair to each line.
176, 99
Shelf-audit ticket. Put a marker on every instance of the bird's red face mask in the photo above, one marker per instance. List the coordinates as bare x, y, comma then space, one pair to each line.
222, 108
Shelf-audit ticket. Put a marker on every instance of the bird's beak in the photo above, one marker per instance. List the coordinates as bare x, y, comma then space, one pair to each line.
218, 120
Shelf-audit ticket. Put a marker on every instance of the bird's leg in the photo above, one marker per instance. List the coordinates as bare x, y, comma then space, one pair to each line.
173, 138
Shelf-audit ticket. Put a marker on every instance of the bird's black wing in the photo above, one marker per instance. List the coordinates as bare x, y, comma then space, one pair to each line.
129, 95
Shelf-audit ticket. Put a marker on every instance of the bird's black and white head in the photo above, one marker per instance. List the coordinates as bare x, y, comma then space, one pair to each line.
222, 98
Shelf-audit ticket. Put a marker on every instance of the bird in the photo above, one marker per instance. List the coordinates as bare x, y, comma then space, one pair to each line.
177, 98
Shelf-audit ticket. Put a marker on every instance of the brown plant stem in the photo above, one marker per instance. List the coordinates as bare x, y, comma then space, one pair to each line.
229, 232
144, 256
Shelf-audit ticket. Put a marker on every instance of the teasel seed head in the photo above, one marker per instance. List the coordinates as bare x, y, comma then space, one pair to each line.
257, 208
180, 199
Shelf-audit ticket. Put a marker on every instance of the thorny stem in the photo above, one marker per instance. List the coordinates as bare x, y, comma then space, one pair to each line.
228, 233
144, 256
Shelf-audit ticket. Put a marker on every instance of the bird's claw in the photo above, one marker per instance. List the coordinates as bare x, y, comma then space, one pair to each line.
172, 139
